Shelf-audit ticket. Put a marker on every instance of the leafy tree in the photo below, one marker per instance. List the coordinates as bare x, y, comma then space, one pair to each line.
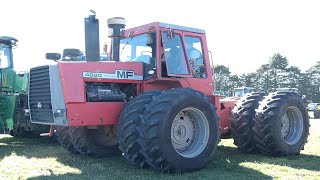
277, 65
225, 82
221, 73
313, 75
291, 77
273, 74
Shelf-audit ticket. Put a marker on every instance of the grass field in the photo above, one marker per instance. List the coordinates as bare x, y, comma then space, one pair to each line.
42, 158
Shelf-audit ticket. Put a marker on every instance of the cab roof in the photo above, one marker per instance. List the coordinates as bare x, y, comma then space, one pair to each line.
155, 25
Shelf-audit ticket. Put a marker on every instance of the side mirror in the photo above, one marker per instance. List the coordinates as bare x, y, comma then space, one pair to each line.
53, 56
170, 33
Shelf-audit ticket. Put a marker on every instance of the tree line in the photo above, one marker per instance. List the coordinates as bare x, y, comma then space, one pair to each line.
275, 74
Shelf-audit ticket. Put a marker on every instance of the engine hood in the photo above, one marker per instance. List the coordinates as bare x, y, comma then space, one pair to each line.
102, 71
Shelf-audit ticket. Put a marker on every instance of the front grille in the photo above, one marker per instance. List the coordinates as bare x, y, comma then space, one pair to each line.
40, 96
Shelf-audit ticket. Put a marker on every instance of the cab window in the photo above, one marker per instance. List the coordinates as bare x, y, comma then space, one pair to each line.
140, 48
195, 56
5, 56
174, 58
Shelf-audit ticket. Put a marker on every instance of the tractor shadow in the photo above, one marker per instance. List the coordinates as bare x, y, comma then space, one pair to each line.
302, 161
226, 164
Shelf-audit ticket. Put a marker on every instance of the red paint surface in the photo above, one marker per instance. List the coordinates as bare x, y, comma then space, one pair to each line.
94, 113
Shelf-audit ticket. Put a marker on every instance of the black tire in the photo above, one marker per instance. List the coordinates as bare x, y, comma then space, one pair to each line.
18, 132
155, 127
281, 125
63, 137
95, 142
316, 114
127, 127
242, 122
22, 133
227, 135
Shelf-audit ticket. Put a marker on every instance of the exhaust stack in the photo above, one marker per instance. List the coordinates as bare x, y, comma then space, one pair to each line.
116, 31
92, 38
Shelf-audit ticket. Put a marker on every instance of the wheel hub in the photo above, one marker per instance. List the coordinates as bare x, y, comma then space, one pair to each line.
183, 131
285, 125
190, 132
292, 125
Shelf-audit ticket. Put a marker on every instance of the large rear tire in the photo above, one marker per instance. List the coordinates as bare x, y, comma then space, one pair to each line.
127, 128
63, 137
281, 125
179, 131
95, 142
242, 122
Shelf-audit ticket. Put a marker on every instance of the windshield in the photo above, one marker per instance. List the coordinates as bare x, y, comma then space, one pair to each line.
140, 48
5, 56
239, 92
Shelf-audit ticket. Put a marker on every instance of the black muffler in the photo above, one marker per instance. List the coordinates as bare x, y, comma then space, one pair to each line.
92, 42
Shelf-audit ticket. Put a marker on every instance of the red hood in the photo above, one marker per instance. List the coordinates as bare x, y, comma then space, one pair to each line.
74, 75
75, 69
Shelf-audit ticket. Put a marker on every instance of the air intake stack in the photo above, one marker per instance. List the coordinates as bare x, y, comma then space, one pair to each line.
116, 31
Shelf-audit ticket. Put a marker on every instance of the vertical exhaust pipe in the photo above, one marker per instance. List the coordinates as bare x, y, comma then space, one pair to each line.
92, 42
116, 31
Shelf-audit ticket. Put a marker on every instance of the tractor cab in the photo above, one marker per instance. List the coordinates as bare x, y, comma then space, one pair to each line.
6, 44
167, 52
10, 82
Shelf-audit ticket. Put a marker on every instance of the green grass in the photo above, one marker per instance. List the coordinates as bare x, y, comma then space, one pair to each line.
43, 158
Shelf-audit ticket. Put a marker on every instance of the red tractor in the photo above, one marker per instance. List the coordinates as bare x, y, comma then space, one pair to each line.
153, 102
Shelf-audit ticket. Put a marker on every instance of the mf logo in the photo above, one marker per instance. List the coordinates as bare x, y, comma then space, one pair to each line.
124, 74
39, 105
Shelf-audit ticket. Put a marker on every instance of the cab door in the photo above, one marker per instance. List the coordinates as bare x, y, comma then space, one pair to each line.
196, 53
173, 58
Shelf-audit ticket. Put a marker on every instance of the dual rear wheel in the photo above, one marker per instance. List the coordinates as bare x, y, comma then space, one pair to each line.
276, 124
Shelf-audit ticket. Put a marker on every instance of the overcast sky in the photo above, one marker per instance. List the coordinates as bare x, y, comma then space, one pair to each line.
241, 34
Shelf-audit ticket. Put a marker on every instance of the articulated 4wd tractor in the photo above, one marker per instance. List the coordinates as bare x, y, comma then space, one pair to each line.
153, 102
14, 112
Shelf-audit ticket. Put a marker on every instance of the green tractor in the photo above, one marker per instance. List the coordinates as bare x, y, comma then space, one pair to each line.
14, 111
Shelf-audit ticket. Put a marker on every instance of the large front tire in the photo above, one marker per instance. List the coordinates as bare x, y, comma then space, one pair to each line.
95, 142
242, 122
179, 131
63, 137
281, 124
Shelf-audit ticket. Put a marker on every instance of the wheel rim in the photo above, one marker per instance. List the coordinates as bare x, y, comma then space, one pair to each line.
291, 125
190, 132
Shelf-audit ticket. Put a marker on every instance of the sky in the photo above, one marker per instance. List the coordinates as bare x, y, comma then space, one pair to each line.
241, 35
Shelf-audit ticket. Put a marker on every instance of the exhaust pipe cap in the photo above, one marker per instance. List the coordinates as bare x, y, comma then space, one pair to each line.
117, 21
